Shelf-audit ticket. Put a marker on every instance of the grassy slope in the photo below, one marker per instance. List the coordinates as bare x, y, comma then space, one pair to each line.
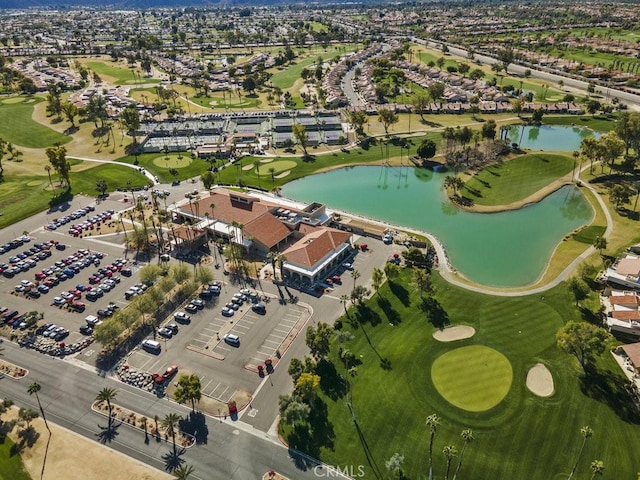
17, 127
511, 181
523, 437
11, 467
192, 168
121, 74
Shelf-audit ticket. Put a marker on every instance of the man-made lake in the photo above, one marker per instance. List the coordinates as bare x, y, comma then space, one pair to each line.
547, 137
508, 249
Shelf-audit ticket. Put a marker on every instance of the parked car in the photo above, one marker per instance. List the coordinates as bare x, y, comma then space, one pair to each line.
86, 330
173, 327
165, 332
259, 308
169, 372
347, 266
227, 312
182, 317
191, 308
232, 340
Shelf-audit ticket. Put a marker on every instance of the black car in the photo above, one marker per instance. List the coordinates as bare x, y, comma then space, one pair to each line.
103, 313
191, 308
86, 330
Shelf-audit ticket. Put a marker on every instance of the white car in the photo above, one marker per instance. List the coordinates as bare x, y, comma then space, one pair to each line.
182, 317
58, 301
227, 312
66, 295
347, 266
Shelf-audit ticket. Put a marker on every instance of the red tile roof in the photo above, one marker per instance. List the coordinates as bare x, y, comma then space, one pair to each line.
267, 230
624, 300
316, 245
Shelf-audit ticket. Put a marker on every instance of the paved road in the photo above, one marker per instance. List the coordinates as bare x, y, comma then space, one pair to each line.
633, 101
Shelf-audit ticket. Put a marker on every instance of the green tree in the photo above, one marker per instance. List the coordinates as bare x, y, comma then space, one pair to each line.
183, 472
102, 187
296, 368
578, 288
130, 119
489, 129
359, 293
208, 178
391, 271
387, 118
432, 423
620, 194
436, 91
307, 385
58, 158
467, 438
600, 244
301, 135
394, 465
170, 424
422, 281
426, 150
358, 119
27, 415
377, 278
318, 339
611, 146
293, 410
627, 126
107, 395
586, 433
583, 340
420, 104
249, 84
70, 111
34, 388
450, 452
188, 390
597, 469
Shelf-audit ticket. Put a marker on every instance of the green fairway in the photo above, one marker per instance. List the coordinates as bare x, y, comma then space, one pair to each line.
17, 127
598, 123
123, 75
116, 176
516, 179
172, 161
287, 77
158, 166
11, 467
588, 234
373, 151
474, 378
523, 436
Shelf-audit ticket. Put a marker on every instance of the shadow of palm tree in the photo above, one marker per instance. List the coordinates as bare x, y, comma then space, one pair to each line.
172, 459
195, 424
44, 460
367, 451
108, 433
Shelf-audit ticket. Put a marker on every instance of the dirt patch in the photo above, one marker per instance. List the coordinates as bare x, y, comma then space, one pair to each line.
540, 381
73, 457
451, 334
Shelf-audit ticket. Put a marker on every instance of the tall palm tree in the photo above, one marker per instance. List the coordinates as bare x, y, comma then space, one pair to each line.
183, 472
107, 395
377, 278
170, 423
586, 432
35, 388
467, 438
48, 169
449, 452
345, 299
597, 467
355, 274
432, 422
272, 172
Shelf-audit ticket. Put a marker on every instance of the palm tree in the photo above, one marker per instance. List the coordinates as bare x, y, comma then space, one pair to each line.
170, 423
272, 172
355, 274
48, 169
377, 278
345, 299
183, 472
449, 452
600, 243
143, 421
256, 164
432, 422
597, 467
106, 395
35, 388
586, 432
467, 438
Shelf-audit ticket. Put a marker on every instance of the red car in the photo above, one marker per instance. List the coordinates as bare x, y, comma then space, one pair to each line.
40, 276
170, 371
78, 306
76, 293
336, 279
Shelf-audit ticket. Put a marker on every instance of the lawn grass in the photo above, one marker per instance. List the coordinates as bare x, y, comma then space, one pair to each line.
598, 123
287, 77
524, 436
589, 234
153, 162
120, 74
516, 179
24, 195
11, 467
18, 127
373, 152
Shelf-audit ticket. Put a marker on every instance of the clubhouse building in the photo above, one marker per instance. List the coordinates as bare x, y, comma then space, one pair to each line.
311, 249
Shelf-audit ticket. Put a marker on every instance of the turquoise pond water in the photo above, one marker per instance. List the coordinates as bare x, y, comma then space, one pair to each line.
507, 249
547, 137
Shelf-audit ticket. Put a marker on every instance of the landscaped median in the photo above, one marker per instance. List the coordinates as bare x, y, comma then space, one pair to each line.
12, 371
152, 426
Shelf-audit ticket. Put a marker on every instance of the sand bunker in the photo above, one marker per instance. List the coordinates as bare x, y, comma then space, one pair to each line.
450, 334
247, 167
540, 381
283, 174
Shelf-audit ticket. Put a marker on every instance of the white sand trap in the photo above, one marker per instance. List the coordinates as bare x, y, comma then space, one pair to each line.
283, 174
247, 167
540, 381
451, 334
266, 160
